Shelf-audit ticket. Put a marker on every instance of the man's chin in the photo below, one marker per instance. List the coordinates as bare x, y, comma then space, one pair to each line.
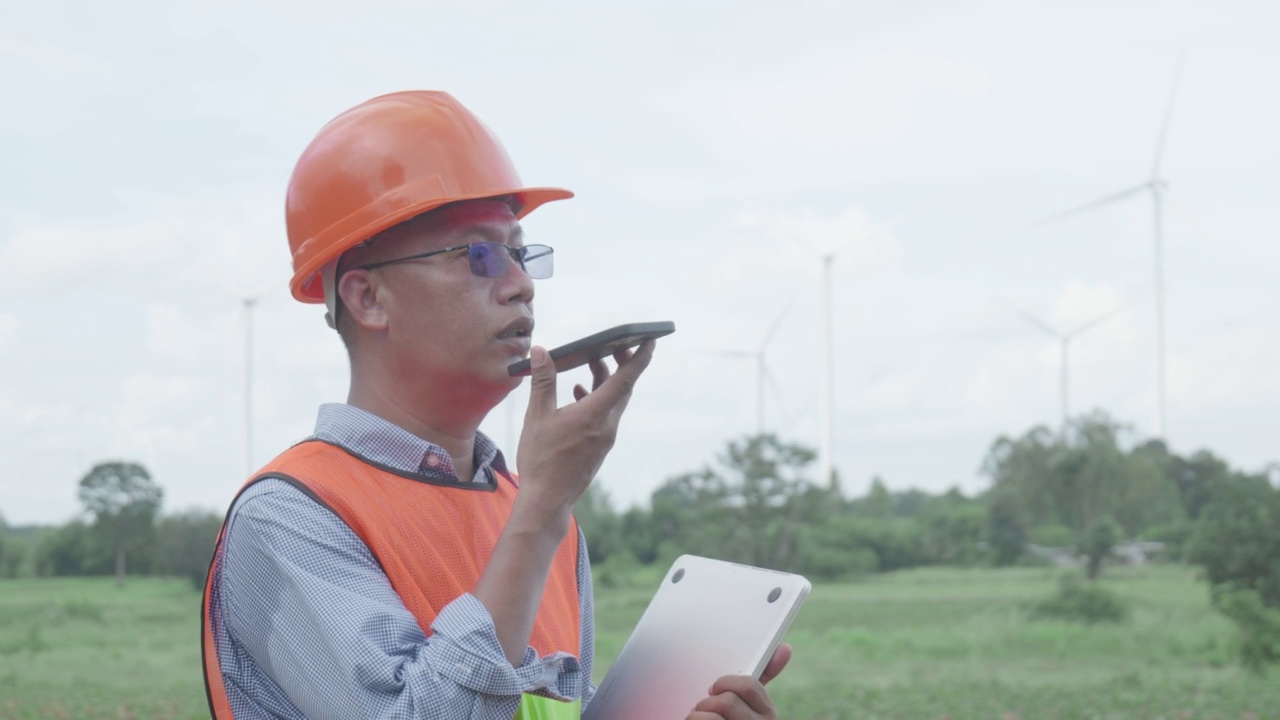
500, 376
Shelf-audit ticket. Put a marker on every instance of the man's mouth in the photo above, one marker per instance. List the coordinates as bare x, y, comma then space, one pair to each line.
520, 328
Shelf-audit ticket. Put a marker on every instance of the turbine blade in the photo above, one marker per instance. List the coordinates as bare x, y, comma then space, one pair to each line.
879, 230
777, 323
988, 335
262, 289
1120, 310
1168, 114
805, 244
1100, 202
777, 391
1037, 322
789, 424
730, 353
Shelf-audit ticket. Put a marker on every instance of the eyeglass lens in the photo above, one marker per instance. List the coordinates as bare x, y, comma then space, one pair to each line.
492, 260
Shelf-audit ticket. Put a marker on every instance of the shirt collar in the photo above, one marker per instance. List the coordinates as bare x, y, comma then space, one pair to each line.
383, 442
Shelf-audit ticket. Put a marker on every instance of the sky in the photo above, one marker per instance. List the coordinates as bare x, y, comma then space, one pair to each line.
718, 151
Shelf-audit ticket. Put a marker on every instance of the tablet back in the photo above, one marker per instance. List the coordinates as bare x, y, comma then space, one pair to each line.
708, 619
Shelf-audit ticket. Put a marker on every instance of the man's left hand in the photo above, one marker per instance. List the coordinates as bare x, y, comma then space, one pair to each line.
742, 697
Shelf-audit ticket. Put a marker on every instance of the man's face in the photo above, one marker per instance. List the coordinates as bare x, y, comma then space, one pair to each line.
443, 322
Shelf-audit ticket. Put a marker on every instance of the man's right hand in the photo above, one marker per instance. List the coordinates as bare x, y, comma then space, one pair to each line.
562, 448
560, 452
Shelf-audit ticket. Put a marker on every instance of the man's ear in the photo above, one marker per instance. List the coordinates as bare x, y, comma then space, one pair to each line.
362, 300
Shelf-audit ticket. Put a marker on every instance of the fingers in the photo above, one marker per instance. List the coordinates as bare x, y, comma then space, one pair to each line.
621, 355
542, 385
617, 395
746, 689
735, 697
780, 658
722, 707
617, 388
599, 373
561, 449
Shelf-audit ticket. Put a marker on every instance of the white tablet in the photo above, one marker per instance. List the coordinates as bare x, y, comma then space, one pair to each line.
708, 619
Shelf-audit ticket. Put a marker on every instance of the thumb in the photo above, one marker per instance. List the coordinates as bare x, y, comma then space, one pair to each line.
780, 658
542, 387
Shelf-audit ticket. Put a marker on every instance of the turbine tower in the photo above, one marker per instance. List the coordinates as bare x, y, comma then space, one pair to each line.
828, 348
1157, 186
763, 375
250, 301
829, 371
1065, 340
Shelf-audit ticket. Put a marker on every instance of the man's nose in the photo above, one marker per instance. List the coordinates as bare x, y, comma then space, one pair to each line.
517, 286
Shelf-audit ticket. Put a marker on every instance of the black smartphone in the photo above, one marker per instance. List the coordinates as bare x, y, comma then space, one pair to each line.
601, 344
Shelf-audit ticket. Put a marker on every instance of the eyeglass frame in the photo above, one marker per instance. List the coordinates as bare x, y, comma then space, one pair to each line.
516, 255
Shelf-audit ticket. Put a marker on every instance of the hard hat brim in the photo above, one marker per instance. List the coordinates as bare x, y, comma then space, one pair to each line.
306, 285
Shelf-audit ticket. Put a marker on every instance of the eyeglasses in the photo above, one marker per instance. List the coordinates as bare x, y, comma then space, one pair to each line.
492, 259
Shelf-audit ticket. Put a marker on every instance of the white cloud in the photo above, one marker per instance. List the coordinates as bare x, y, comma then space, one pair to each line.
54, 258
55, 421
177, 337
709, 149
1228, 367
1081, 304
850, 236
212, 252
8, 330
153, 399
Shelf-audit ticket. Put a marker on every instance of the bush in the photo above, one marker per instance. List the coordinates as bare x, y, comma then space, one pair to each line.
619, 570
13, 557
951, 532
824, 562
186, 543
1053, 536
1175, 537
848, 546
1237, 539
1080, 601
1097, 542
1259, 625
1006, 532
73, 549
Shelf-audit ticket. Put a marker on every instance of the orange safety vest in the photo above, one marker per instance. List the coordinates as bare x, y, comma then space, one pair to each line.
432, 540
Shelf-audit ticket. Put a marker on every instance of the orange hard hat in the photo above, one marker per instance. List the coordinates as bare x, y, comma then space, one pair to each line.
385, 161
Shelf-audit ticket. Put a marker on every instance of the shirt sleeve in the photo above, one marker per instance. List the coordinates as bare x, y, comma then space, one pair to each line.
307, 601
587, 613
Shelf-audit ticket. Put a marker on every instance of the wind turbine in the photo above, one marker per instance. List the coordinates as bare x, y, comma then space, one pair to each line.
1157, 186
1065, 340
250, 301
828, 340
762, 369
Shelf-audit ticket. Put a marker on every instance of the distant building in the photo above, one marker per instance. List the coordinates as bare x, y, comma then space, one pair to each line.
1131, 552
1057, 556
1137, 552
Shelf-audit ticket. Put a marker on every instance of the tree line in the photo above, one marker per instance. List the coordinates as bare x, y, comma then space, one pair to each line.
1080, 489
121, 532
1078, 493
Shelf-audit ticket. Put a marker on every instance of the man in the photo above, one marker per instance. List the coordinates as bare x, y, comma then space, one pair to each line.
388, 566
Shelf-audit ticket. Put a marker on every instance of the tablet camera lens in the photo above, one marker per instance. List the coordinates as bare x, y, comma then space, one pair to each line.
678, 575
774, 594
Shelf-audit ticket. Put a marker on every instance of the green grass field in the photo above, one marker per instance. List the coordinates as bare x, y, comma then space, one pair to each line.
930, 644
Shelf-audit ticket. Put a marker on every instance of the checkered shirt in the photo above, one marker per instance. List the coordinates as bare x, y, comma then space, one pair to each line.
311, 627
